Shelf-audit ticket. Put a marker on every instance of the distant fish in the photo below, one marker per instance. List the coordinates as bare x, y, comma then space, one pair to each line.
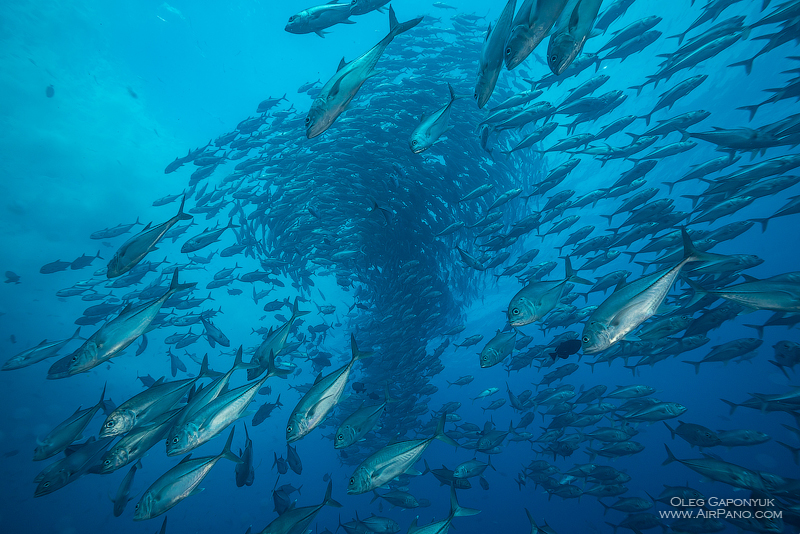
566, 349
50, 91
12, 277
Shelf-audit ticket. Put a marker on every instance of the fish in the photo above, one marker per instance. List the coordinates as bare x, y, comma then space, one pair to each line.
537, 299
631, 305
498, 348
40, 352
567, 40
137, 247
67, 431
316, 19
392, 460
323, 396
432, 127
298, 519
115, 335
244, 471
180, 482
123, 493
359, 423
532, 24
491, 59
340, 90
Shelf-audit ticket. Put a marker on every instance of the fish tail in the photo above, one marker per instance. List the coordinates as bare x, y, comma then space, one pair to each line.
427, 467
357, 354
328, 499
752, 109
671, 431
571, 276
227, 453
763, 222
175, 286
203, 367
731, 404
696, 371
396, 28
795, 451
181, 215
440, 435
457, 510
296, 312
670, 457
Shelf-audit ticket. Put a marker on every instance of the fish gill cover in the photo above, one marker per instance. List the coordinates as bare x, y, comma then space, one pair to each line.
453, 217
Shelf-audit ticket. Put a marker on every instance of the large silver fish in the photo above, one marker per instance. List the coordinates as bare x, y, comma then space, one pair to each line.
68, 431
135, 444
298, 519
432, 126
359, 423
222, 408
316, 19
779, 293
568, 38
180, 482
115, 336
631, 305
491, 60
323, 396
537, 299
273, 344
532, 24
149, 404
137, 247
392, 461
336, 95
40, 352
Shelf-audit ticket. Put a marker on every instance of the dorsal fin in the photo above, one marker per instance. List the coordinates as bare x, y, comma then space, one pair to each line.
342, 64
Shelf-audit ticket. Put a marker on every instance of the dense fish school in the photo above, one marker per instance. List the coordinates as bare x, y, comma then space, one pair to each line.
523, 266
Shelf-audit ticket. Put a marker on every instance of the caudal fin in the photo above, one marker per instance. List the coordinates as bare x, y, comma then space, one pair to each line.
572, 277
357, 354
440, 435
328, 499
181, 215
457, 510
227, 453
396, 28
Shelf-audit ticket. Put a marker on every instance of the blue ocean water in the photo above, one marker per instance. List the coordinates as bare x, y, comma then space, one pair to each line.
137, 85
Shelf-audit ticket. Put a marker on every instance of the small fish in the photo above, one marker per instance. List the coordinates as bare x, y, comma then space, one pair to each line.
566, 349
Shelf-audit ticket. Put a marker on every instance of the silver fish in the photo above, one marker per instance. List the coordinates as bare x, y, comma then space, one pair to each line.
491, 60
323, 396
179, 482
392, 461
337, 93
137, 247
432, 126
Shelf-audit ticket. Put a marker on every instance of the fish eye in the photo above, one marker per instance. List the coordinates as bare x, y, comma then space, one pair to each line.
476, 95
508, 51
46, 484
585, 339
291, 18
553, 58
175, 440
515, 311
414, 142
288, 428
352, 481
340, 436
109, 424
308, 120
